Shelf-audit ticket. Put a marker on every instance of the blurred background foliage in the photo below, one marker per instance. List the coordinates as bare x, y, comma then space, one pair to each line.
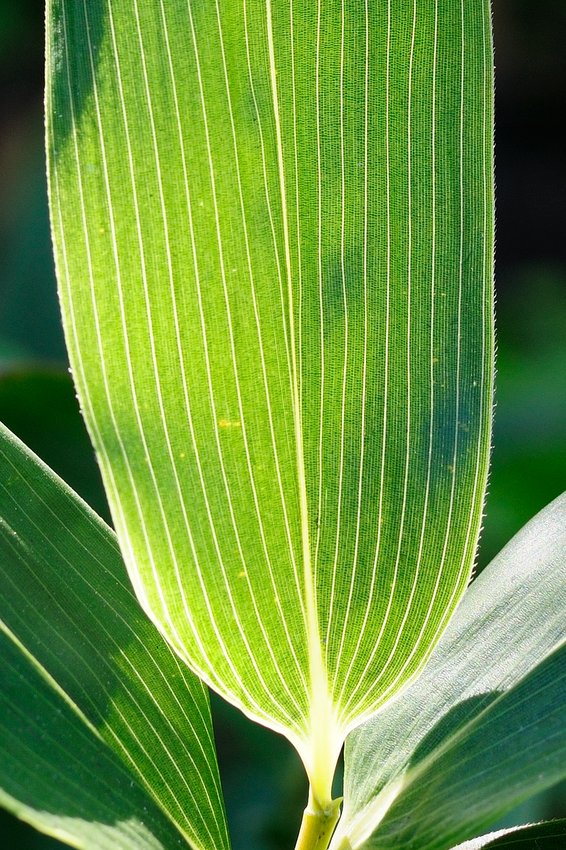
264, 786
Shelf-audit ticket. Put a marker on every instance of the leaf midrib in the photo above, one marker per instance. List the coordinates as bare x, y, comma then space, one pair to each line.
322, 726
313, 630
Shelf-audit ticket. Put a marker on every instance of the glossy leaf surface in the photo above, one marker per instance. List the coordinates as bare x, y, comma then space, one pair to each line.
483, 727
273, 229
67, 602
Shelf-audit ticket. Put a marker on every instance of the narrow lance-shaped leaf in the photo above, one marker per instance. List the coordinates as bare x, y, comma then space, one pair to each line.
512, 749
66, 602
60, 777
273, 230
539, 836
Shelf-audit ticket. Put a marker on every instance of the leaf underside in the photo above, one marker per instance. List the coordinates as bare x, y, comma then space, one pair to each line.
273, 231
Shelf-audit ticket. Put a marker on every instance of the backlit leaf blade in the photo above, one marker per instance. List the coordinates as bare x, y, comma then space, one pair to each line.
59, 776
485, 719
66, 600
273, 230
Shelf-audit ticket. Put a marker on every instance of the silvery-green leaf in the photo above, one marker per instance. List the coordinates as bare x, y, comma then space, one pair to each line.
483, 727
67, 603
273, 233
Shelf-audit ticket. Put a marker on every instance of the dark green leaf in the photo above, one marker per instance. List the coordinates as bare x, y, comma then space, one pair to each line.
540, 836
67, 600
57, 774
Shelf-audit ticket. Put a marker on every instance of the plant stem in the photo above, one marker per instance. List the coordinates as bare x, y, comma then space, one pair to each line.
318, 826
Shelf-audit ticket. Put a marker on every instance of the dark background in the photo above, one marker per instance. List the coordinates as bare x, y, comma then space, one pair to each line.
264, 787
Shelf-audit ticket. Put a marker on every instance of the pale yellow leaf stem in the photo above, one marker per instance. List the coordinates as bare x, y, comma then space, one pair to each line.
318, 825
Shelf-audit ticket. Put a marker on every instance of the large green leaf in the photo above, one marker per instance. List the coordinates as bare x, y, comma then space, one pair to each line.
540, 836
483, 727
273, 231
66, 601
59, 776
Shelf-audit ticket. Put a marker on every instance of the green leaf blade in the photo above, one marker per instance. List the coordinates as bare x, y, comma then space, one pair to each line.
67, 602
539, 836
273, 229
60, 777
412, 441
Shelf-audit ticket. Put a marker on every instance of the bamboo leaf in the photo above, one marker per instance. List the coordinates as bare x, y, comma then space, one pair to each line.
483, 727
540, 836
67, 603
59, 776
273, 231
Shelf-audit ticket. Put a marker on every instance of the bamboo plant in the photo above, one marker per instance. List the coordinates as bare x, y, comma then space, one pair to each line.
273, 234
